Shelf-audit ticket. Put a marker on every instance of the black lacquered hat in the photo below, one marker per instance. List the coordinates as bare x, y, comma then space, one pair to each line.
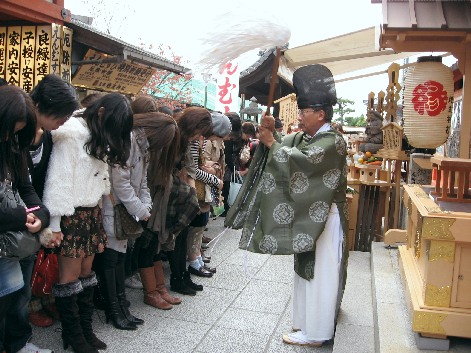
314, 86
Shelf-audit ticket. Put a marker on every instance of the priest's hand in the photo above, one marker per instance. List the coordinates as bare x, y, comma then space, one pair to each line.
266, 128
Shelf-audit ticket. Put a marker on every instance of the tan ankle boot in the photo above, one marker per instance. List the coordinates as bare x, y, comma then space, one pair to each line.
151, 295
160, 285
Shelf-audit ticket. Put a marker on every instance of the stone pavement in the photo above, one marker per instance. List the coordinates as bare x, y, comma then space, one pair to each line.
244, 308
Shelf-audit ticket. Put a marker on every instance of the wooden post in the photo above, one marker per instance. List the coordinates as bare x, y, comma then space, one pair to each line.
465, 130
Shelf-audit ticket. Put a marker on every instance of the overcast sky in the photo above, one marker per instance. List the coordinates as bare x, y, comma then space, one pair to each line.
185, 24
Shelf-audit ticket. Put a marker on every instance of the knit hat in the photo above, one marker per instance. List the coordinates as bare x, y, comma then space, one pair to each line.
314, 87
221, 124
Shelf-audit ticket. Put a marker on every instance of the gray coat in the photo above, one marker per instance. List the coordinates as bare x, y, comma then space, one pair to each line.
129, 187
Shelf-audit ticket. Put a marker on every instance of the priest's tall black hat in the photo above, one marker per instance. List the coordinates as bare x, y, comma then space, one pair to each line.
314, 87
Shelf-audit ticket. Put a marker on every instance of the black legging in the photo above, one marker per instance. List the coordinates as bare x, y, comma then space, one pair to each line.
177, 257
110, 259
225, 194
146, 256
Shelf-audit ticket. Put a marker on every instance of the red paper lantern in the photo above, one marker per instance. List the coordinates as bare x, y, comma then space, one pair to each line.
427, 101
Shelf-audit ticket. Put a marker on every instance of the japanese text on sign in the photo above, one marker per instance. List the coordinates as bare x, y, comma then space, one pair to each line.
28, 53
227, 91
125, 77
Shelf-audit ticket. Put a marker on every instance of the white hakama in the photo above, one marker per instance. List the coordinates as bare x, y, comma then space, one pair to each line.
315, 301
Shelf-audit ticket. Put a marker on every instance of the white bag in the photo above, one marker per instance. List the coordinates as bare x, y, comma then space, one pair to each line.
236, 183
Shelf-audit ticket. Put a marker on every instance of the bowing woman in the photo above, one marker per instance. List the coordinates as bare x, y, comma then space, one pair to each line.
17, 130
77, 178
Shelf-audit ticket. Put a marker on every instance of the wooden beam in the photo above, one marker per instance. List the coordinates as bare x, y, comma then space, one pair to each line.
439, 16
384, 7
37, 11
436, 32
465, 129
413, 17
424, 46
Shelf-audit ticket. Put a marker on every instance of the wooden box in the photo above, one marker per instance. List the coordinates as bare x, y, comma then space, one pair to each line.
368, 172
353, 172
436, 263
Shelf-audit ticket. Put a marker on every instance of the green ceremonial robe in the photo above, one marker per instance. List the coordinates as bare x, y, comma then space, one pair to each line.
284, 210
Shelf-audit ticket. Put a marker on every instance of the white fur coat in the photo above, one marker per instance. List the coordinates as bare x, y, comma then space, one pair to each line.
74, 178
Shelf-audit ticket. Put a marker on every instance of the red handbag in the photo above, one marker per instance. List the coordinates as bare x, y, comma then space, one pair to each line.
45, 274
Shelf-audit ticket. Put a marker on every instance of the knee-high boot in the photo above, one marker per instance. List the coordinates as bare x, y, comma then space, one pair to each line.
160, 285
121, 294
85, 305
113, 310
66, 303
151, 295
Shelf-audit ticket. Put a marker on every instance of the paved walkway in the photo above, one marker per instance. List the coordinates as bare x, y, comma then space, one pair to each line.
244, 308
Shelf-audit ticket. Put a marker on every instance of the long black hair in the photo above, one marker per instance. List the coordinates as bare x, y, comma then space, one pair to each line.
110, 122
15, 107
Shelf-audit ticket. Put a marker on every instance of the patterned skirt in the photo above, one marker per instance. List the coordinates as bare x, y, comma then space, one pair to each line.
83, 233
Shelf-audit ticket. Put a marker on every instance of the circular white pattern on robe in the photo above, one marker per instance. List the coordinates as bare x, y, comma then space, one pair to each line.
331, 178
267, 183
268, 244
309, 269
240, 218
283, 214
282, 155
319, 211
340, 145
302, 243
299, 183
315, 154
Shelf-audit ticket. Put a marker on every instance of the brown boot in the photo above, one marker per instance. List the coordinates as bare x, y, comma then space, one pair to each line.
151, 296
160, 285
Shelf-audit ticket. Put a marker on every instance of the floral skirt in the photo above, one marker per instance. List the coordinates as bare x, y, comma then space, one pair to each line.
83, 233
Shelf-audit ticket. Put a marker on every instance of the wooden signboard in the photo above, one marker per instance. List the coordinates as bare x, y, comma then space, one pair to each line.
28, 53
66, 54
288, 110
28, 44
43, 53
56, 49
13, 55
125, 77
3, 47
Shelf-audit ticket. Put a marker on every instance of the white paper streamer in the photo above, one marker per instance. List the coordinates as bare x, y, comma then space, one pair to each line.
227, 44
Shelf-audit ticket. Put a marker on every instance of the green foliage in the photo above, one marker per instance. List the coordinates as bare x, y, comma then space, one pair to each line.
358, 121
343, 109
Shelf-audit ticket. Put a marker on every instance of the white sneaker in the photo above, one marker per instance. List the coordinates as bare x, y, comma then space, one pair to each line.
133, 282
31, 348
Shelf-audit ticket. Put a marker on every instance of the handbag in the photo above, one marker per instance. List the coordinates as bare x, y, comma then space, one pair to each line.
16, 244
125, 225
236, 184
200, 190
45, 273
244, 155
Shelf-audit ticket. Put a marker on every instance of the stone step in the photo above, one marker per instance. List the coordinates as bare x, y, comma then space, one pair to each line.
355, 325
374, 315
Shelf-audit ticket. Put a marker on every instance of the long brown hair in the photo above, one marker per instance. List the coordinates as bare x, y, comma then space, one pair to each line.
163, 136
193, 121
144, 104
